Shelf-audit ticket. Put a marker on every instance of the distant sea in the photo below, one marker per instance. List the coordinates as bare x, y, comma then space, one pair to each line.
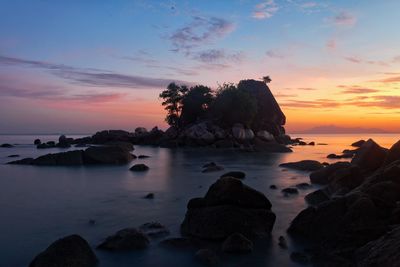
41, 204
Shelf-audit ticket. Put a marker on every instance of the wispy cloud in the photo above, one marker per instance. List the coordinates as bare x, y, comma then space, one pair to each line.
89, 76
275, 54
265, 10
358, 60
344, 18
200, 31
355, 89
331, 44
218, 55
393, 79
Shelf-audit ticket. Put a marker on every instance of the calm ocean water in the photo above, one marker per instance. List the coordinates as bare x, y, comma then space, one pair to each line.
41, 204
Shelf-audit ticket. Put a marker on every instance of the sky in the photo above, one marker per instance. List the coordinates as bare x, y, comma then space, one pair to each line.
83, 66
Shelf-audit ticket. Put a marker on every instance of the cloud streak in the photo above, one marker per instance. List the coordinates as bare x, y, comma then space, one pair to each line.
344, 18
89, 76
265, 10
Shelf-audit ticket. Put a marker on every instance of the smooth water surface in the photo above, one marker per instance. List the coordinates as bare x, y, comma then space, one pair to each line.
41, 204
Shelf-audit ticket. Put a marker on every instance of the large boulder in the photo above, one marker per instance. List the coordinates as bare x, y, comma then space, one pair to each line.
265, 136
106, 155
393, 154
381, 252
64, 158
303, 165
200, 134
111, 135
370, 156
70, 251
228, 207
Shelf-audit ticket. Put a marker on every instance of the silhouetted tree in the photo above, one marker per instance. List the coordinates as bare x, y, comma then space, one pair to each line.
266, 79
172, 100
232, 105
195, 104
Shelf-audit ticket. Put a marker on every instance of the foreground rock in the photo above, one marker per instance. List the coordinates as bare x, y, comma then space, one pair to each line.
228, 207
70, 251
126, 239
370, 156
139, 168
303, 165
323, 175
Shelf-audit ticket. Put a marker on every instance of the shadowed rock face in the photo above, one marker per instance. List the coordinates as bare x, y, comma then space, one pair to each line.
370, 156
229, 207
70, 251
269, 115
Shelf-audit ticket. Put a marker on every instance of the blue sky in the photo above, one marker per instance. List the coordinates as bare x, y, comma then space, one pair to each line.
76, 61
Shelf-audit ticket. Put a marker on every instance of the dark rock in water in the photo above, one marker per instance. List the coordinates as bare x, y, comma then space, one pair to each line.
124, 145
6, 145
381, 252
273, 147
316, 197
64, 158
237, 243
92, 222
299, 257
282, 242
13, 156
234, 174
70, 251
149, 196
49, 144
228, 207
126, 239
25, 161
303, 185
322, 175
143, 157
139, 168
207, 257
212, 167
343, 156
311, 144
273, 186
106, 155
370, 156
303, 165
111, 136
37, 142
358, 143
290, 190
393, 154
154, 229
64, 142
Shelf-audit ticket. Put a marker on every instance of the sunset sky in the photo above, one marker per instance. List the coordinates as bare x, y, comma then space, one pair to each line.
82, 66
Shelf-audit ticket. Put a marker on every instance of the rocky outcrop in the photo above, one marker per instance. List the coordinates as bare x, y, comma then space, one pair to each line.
323, 175
241, 133
269, 115
228, 207
303, 165
370, 156
70, 251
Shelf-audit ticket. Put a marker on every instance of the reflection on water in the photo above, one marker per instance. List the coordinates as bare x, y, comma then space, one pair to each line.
41, 204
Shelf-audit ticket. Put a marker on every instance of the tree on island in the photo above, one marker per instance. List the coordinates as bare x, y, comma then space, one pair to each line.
172, 100
195, 104
266, 79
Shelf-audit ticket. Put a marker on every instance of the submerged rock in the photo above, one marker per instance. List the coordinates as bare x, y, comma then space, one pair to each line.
237, 243
290, 190
228, 207
70, 251
154, 229
139, 168
6, 145
303, 165
13, 156
149, 196
126, 239
212, 167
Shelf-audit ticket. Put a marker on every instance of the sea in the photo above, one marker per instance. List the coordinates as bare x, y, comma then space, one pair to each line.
40, 204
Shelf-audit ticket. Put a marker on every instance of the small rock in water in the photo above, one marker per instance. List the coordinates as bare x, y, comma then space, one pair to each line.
210, 164
237, 243
311, 143
37, 142
143, 157
282, 242
303, 165
92, 222
154, 229
299, 257
273, 186
126, 239
290, 190
212, 167
139, 168
13, 156
234, 174
303, 185
6, 145
149, 196
207, 257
